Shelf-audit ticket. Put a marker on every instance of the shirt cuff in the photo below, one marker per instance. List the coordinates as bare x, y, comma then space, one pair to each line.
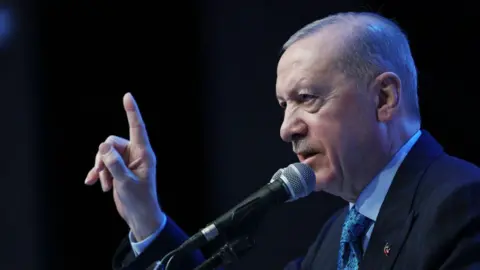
139, 247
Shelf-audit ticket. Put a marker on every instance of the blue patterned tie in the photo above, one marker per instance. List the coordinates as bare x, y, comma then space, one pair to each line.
354, 228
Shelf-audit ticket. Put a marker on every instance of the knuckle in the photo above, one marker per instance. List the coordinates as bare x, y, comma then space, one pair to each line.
116, 140
137, 122
111, 161
105, 175
111, 139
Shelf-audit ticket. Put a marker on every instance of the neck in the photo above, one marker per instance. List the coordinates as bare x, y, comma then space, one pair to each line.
392, 138
398, 135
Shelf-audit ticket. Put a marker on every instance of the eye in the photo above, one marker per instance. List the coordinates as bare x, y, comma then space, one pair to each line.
283, 104
306, 97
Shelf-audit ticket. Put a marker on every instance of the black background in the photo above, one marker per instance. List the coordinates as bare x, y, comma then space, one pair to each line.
203, 73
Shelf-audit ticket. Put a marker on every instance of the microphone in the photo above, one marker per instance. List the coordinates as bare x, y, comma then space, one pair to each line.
287, 184
229, 253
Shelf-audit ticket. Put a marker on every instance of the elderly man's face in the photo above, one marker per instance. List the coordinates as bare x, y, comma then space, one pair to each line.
331, 120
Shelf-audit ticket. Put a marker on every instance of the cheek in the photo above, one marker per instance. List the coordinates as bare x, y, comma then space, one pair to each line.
326, 128
325, 131
324, 136
354, 116
336, 132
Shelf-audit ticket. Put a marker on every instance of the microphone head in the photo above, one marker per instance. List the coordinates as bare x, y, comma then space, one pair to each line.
299, 179
277, 175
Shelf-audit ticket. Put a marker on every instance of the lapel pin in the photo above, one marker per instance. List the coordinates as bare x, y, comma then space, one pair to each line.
386, 249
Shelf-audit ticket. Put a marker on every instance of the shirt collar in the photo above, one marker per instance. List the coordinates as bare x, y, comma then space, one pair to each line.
372, 197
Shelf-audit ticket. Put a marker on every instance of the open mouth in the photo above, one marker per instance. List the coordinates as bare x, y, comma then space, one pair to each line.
304, 157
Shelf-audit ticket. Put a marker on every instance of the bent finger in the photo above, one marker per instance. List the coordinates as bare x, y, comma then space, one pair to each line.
106, 180
119, 143
114, 162
92, 177
99, 166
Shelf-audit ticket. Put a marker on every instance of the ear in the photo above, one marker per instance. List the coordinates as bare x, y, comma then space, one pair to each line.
387, 87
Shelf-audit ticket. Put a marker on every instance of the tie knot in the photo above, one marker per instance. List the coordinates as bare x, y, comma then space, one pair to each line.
355, 226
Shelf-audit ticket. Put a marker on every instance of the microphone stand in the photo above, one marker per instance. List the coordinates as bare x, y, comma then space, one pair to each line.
229, 253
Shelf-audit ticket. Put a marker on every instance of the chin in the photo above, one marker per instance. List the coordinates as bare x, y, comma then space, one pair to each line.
335, 189
325, 176
326, 182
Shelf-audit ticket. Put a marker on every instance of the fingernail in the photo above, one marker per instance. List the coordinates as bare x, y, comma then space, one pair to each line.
104, 148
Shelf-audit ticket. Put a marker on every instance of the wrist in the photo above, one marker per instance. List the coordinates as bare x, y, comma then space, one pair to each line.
144, 226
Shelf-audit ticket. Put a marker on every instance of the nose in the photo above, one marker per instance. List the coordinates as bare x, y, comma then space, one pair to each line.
293, 127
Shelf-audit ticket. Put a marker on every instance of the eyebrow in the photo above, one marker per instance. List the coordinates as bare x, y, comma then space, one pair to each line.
314, 89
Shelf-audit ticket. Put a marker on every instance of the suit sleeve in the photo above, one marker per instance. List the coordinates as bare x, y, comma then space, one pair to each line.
173, 236
169, 238
460, 216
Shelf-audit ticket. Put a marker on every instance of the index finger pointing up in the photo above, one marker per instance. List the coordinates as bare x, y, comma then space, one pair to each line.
138, 132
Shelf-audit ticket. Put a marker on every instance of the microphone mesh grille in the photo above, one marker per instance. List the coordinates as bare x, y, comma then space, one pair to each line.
300, 180
277, 175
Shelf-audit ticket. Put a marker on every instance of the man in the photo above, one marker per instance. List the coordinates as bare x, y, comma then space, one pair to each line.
348, 85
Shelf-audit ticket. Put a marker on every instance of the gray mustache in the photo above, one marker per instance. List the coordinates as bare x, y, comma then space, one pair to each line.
302, 147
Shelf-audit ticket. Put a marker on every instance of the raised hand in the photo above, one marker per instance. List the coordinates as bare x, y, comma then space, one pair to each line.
129, 168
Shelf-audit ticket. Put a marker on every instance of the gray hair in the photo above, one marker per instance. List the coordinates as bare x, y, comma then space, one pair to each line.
376, 44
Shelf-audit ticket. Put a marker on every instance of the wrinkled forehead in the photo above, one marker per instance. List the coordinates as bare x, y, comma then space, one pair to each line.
308, 61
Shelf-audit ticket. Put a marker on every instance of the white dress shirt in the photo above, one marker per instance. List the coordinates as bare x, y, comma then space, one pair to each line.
368, 203
138, 247
372, 197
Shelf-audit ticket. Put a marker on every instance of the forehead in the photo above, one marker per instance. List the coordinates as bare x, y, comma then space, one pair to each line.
308, 61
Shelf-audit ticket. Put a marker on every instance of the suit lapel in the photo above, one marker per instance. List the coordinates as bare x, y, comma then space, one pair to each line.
327, 253
396, 215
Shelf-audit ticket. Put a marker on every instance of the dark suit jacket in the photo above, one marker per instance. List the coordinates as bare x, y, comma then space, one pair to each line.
430, 219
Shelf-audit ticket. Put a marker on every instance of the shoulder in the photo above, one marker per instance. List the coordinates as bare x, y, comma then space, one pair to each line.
449, 192
455, 170
447, 178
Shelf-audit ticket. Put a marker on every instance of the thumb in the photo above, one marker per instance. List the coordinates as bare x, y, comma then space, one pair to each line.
114, 162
